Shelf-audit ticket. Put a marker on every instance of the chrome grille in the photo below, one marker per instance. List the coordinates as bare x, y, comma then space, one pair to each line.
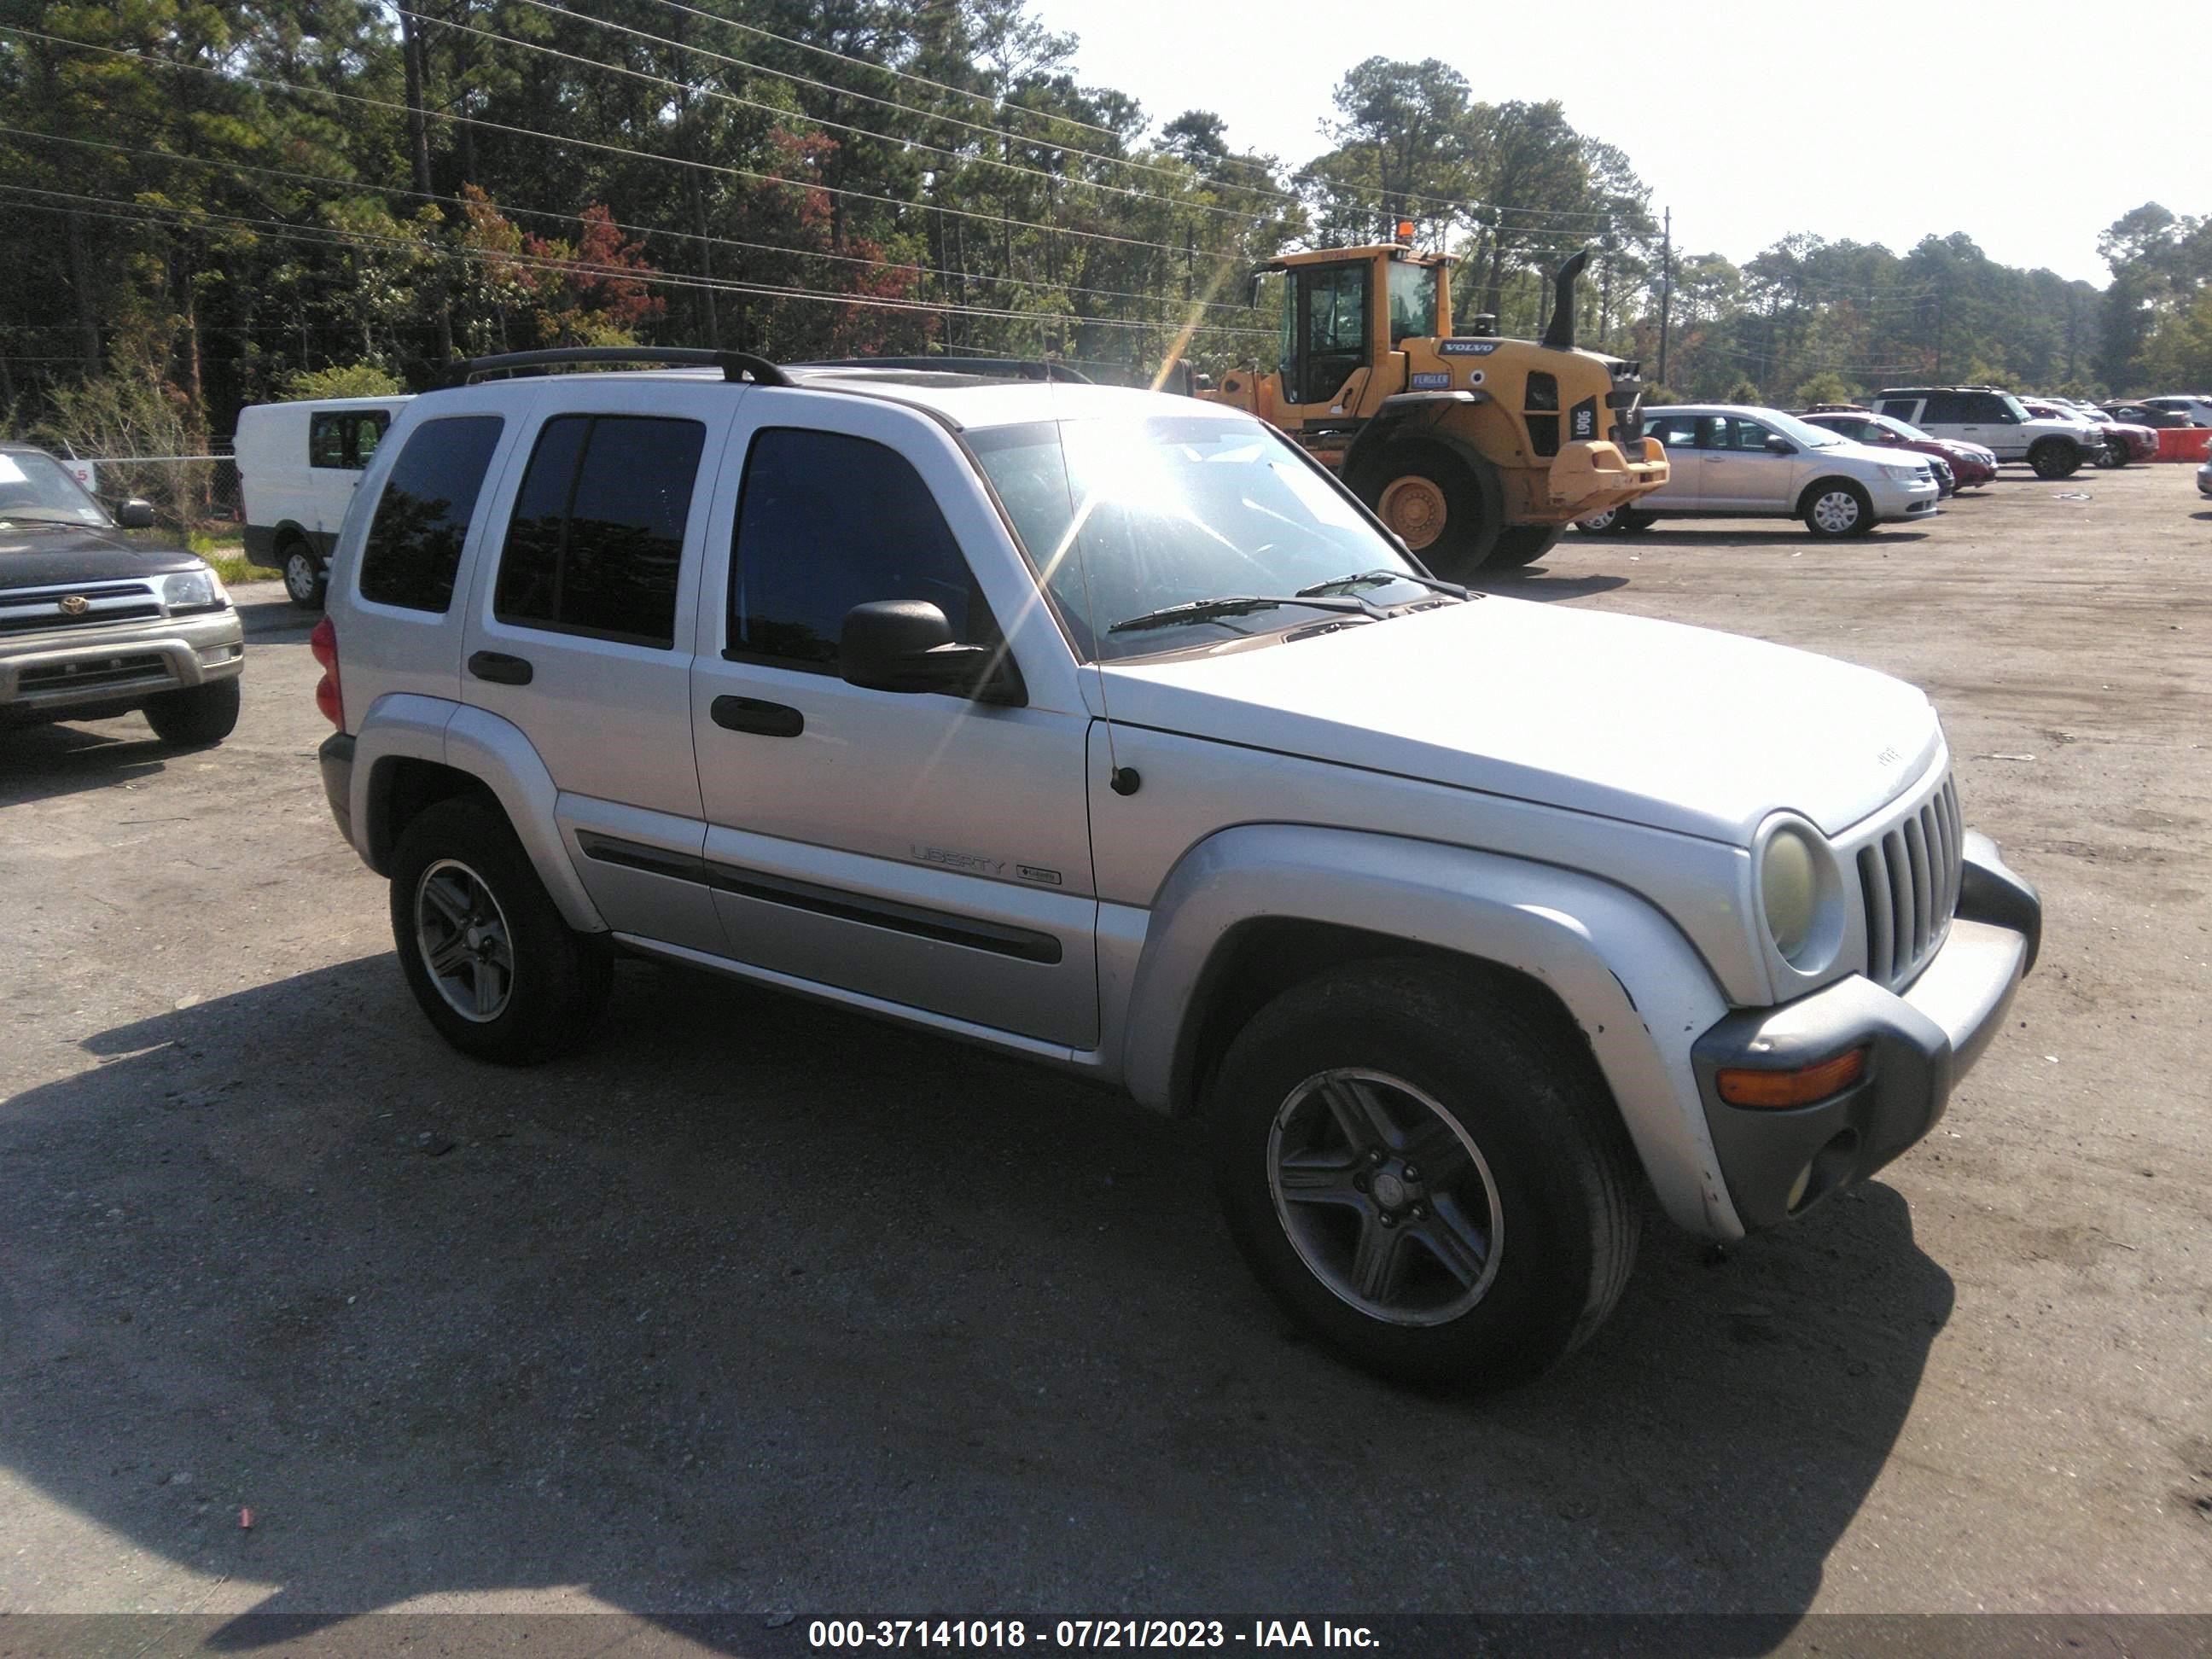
1909, 882
28, 609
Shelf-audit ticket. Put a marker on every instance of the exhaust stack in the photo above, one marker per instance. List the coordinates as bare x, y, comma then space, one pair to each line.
1560, 334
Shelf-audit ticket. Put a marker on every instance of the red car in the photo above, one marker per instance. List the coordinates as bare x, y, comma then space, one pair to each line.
1971, 464
2123, 442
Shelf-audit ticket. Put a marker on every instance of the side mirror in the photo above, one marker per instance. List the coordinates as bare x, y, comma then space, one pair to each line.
1780, 444
907, 645
136, 514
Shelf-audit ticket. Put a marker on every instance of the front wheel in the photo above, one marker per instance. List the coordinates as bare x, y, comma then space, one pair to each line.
2054, 458
197, 714
484, 949
1836, 508
1425, 1173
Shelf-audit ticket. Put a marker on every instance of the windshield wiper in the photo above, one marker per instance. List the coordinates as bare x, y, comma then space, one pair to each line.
1242, 604
1378, 577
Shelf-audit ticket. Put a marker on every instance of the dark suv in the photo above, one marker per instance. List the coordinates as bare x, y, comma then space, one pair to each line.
92, 626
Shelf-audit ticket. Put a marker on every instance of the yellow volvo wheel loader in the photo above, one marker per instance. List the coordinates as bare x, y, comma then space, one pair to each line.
1473, 448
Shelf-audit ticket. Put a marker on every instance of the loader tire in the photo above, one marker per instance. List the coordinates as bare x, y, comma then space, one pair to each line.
1432, 502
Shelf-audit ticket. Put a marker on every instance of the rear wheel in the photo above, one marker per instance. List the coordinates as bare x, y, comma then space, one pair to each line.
1425, 1173
485, 951
2054, 458
303, 576
1435, 505
1837, 508
1524, 544
199, 713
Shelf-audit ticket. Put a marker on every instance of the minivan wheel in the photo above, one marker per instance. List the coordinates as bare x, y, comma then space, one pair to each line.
1423, 1173
1611, 522
195, 714
1838, 508
2054, 458
484, 948
303, 578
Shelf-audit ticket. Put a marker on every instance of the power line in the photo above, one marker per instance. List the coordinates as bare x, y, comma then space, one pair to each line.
993, 219
506, 209
717, 94
284, 230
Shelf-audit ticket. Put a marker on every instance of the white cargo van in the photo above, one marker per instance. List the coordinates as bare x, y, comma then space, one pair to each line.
297, 466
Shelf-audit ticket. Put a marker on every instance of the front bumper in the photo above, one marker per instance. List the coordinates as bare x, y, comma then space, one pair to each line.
116, 664
1894, 499
1919, 1043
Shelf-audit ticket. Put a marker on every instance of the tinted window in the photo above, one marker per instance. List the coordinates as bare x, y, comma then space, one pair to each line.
1674, 431
326, 440
827, 522
1946, 408
1858, 431
1898, 408
596, 536
414, 545
367, 433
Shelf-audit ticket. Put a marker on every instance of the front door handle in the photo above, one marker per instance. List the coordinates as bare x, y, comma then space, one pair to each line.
500, 668
767, 719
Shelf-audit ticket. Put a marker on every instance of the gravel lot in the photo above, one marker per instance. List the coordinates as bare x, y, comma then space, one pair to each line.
761, 1308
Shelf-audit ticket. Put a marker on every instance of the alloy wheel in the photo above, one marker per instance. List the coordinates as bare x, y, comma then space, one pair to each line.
463, 935
1386, 1199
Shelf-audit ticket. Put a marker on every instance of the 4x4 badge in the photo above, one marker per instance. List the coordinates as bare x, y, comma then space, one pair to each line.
75, 606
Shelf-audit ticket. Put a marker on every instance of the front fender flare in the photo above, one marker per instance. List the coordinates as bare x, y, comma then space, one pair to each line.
1631, 982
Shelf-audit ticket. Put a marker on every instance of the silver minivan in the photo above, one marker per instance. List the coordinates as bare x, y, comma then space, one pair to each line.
1735, 460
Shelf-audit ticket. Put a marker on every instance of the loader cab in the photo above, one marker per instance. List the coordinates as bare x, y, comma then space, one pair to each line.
1344, 311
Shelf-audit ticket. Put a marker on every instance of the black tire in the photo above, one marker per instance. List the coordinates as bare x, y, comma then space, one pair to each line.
1635, 524
1836, 507
1550, 1169
1611, 522
1468, 529
1524, 544
554, 982
198, 714
2113, 456
305, 579
2054, 458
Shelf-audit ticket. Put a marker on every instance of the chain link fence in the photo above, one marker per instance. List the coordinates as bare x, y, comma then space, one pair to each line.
189, 493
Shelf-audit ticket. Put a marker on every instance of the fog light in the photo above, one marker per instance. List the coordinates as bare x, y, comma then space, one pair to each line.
1744, 1086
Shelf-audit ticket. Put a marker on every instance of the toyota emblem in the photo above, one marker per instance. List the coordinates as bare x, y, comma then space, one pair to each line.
75, 606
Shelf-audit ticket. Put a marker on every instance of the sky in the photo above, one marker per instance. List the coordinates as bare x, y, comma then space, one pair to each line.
2030, 126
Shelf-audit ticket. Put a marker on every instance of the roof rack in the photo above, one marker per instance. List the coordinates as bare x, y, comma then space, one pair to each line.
1016, 368
734, 365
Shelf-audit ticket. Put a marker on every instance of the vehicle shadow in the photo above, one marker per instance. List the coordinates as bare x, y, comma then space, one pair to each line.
756, 1308
38, 762
1883, 536
1537, 582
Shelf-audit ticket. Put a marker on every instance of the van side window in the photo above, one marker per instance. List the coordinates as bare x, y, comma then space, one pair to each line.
596, 536
368, 432
826, 522
327, 438
414, 546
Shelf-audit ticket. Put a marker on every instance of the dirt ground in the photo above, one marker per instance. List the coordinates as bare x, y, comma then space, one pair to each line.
760, 1308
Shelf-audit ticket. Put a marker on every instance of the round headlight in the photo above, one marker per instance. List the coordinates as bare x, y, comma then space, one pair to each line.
1790, 891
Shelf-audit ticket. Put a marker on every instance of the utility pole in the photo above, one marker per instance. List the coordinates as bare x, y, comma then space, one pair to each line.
1666, 289
1939, 328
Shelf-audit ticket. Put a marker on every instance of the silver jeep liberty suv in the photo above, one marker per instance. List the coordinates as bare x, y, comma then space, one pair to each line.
1103, 727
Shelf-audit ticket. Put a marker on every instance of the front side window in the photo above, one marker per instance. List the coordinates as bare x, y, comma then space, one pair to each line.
596, 540
1413, 302
415, 541
827, 522
1946, 408
1124, 518
1748, 435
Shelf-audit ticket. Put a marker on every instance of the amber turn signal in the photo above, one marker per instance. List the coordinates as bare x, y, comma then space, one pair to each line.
1741, 1086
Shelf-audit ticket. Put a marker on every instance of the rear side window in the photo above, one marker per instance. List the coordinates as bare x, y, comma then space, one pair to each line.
1898, 409
326, 440
415, 541
597, 537
827, 522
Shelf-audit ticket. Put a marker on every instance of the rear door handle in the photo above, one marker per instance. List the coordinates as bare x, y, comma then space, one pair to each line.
767, 719
500, 668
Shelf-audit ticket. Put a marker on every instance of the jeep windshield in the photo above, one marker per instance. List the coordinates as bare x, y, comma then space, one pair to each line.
1199, 529
35, 489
